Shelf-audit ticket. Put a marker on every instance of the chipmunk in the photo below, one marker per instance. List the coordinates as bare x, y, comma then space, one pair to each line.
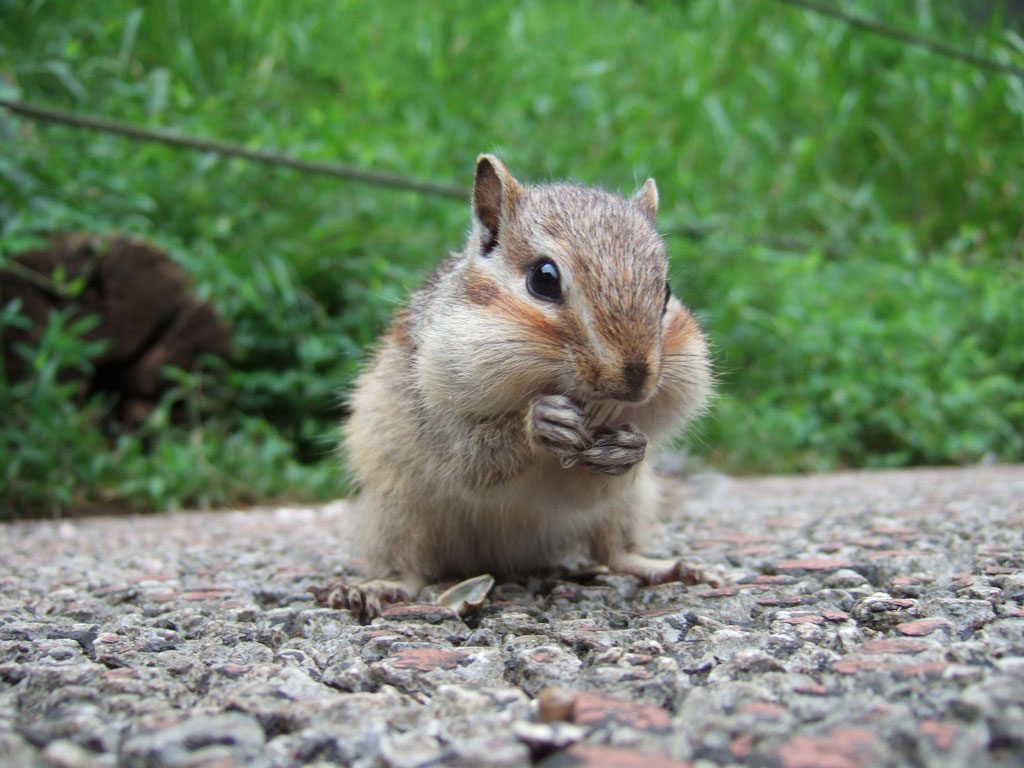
507, 413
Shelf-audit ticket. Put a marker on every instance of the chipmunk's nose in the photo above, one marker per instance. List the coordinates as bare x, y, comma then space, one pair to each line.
635, 372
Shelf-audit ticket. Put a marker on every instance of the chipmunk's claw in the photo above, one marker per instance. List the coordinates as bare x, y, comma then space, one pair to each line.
558, 425
615, 451
366, 601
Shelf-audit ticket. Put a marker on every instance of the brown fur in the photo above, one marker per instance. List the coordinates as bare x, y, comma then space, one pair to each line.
468, 433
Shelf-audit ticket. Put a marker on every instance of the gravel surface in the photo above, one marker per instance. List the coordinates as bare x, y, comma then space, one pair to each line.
874, 619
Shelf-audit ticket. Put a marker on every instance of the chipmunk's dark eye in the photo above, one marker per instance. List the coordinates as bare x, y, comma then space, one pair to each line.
544, 281
668, 295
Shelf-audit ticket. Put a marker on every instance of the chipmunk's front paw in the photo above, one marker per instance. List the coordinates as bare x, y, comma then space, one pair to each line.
614, 450
557, 424
364, 600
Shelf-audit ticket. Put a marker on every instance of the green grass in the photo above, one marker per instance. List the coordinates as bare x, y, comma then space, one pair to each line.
861, 279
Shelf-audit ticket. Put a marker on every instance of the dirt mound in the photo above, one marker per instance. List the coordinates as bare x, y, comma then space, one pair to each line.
144, 304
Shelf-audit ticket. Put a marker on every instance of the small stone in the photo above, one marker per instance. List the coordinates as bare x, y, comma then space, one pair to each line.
881, 611
906, 586
554, 704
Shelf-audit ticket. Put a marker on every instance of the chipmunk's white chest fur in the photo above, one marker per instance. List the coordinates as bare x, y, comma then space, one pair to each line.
536, 520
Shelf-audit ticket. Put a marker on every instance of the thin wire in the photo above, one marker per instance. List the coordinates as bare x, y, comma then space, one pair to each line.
171, 138
696, 232
910, 38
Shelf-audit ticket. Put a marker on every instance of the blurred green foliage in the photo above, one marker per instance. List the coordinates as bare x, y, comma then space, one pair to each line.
859, 269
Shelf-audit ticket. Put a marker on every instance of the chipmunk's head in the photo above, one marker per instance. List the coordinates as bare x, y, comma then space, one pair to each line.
577, 279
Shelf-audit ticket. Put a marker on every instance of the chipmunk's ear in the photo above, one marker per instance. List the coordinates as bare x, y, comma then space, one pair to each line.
647, 198
494, 193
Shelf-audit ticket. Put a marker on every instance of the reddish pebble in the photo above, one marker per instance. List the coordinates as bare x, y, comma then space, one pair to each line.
853, 666
737, 538
759, 549
426, 659
886, 645
841, 748
742, 746
899, 531
921, 627
595, 709
925, 669
778, 578
871, 542
431, 614
720, 592
891, 604
835, 615
813, 564
943, 734
813, 618
121, 673
663, 612
762, 708
233, 670
899, 554
150, 577
202, 594
783, 602
812, 689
